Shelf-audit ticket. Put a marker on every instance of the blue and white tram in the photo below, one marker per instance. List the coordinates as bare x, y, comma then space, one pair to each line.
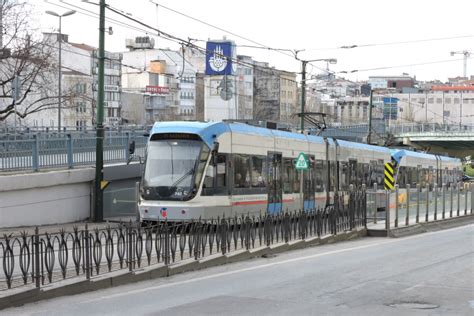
425, 169
204, 170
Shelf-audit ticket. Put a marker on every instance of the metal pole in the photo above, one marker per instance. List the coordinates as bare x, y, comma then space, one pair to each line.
427, 202
435, 193
407, 215
99, 173
369, 136
458, 188
396, 205
387, 211
303, 92
60, 77
444, 200
418, 188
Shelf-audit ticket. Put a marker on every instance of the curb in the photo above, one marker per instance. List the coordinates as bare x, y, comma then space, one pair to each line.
68, 287
431, 226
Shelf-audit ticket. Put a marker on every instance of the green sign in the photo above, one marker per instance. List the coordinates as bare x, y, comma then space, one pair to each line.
302, 162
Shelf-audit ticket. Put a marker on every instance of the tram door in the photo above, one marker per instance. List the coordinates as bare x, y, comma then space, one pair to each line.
275, 187
309, 187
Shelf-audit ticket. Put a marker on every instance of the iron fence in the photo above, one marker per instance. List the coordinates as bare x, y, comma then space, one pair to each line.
65, 152
40, 259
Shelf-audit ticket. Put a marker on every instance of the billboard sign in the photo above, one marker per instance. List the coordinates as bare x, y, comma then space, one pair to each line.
219, 58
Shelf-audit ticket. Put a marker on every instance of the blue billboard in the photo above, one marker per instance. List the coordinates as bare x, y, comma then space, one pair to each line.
219, 58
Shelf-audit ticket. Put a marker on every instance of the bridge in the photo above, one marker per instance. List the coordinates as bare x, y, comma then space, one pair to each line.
452, 139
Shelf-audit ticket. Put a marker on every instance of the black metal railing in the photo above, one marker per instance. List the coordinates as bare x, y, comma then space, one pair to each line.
39, 259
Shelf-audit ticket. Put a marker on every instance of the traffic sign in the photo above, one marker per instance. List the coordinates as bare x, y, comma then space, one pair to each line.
302, 162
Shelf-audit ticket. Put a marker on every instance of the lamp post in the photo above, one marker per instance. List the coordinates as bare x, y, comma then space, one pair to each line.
303, 83
71, 12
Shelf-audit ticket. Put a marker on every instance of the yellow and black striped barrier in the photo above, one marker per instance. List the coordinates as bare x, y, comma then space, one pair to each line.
389, 180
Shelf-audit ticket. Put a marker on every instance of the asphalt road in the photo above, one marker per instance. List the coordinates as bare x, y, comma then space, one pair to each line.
427, 274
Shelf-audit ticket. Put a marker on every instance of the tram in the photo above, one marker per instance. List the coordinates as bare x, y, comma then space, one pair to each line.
209, 169
425, 169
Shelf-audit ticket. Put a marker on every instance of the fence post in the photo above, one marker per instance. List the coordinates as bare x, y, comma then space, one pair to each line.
167, 243
37, 258
451, 200
472, 197
466, 192
130, 248
374, 208
407, 215
387, 211
70, 162
427, 202
418, 188
435, 191
35, 152
127, 153
87, 253
444, 199
458, 189
396, 205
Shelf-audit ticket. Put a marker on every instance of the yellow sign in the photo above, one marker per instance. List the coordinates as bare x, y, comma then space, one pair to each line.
104, 184
389, 181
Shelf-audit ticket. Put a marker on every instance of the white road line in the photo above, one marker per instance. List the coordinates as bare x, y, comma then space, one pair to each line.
266, 265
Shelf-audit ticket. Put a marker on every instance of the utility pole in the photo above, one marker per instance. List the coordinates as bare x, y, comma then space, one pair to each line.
303, 92
303, 84
370, 117
99, 158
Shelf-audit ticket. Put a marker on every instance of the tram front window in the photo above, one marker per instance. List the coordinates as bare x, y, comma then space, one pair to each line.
173, 169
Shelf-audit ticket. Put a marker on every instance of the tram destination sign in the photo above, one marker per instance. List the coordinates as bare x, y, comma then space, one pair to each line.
302, 162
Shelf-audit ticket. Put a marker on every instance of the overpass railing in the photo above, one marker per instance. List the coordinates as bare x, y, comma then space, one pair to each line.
68, 151
411, 128
38, 259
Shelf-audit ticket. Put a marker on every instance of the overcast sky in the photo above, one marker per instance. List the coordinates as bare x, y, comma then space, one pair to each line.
319, 27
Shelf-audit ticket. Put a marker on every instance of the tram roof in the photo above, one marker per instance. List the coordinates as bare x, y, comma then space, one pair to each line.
347, 144
398, 154
208, 131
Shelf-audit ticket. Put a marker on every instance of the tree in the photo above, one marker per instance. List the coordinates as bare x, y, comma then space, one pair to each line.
29, 59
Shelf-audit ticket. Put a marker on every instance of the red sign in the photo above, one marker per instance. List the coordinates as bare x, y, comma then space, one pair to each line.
157, 89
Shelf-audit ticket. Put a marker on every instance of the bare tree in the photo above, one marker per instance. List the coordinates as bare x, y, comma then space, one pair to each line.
29, 59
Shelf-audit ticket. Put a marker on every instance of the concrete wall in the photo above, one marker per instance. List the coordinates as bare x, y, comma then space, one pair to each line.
54, 197
45, 198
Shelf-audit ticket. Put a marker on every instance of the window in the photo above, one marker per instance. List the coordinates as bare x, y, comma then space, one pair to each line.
447, 100
241, 171
430, 100
215, 178
287, 176
456, 100
439, 100
258, 178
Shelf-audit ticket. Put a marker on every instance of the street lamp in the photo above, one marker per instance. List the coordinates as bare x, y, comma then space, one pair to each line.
71, 12
303, 83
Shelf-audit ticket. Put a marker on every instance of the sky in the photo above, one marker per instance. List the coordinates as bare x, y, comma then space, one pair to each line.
411, 37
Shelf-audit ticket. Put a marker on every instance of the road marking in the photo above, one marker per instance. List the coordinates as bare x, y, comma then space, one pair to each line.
266, 265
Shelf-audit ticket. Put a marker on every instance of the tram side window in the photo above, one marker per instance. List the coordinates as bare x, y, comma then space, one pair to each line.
333, 174
320, 173
241, 171
344, 175
258, 171
296, 181
287, 176
215, 179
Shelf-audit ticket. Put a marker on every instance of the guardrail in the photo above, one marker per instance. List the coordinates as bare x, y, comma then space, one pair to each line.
409, 206
430, 128
40, 259
64, 152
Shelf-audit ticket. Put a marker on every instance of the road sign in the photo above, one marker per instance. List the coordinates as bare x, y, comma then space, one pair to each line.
302, 162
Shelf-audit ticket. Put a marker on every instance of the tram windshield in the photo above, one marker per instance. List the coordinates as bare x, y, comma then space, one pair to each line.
174, 169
